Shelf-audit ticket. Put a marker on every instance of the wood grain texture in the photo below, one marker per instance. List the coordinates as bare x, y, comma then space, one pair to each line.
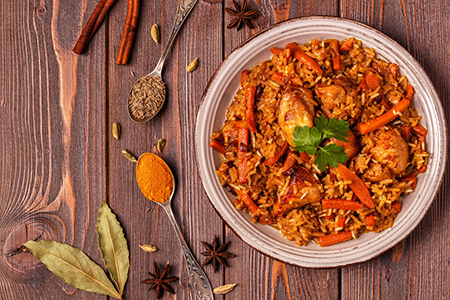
58, 159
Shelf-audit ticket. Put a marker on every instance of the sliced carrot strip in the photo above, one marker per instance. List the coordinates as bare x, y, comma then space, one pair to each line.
387, 117
248, 201
341, 204
218, 146
409, 92
332, 239
370, 221
357, 185
341, 222
271, 161
243, 76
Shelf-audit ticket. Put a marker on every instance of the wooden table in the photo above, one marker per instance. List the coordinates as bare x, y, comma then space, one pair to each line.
58, 159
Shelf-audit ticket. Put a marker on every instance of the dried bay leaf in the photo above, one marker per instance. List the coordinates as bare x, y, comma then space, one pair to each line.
148, 248
73, 267
224, 289
113, 246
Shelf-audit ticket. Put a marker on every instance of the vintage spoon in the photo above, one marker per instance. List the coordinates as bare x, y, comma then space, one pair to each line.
197, 278
148, 93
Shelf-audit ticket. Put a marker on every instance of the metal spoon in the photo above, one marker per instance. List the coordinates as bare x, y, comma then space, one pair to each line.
153, 80
197, 278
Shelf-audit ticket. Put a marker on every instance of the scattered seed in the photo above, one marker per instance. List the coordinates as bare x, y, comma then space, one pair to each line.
161, 145
192, 65
128, 155
148, 248
116, 129
224, 289
155, 33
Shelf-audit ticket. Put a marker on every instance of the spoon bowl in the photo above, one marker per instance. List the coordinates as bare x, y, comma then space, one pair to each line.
197, 278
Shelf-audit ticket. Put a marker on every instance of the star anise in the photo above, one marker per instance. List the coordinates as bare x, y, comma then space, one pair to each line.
241, 15
160, 280
216, 254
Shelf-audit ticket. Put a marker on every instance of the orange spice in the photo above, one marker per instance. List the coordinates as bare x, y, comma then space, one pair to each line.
154, 178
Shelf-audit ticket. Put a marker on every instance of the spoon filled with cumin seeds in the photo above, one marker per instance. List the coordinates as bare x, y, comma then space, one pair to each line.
157, 183
148, 93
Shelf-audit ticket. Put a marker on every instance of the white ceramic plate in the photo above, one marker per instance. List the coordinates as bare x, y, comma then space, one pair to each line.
219, 94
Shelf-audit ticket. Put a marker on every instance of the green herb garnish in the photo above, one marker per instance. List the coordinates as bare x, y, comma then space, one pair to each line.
308, 140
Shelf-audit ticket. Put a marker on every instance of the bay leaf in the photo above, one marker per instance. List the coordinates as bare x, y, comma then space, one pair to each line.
113, 246
73, 267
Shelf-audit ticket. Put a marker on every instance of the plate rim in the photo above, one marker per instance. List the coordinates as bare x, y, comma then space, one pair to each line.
439, 107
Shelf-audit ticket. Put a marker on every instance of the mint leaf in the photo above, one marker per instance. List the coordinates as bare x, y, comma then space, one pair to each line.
306, 139
333, 128
332, 155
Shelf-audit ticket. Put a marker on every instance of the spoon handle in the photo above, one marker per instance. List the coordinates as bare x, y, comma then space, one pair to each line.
197, 278
184, 8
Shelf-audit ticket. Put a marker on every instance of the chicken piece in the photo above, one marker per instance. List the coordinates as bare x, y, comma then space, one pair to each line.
296, 108
351, 147
304, 188
339, 100
391, 151
377, 173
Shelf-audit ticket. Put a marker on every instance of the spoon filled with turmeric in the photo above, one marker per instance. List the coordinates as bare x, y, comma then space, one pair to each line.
156, 181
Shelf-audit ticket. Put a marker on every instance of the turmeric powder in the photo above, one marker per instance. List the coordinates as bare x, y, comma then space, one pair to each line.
154, 178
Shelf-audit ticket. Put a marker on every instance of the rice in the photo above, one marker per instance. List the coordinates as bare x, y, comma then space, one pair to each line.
387, 159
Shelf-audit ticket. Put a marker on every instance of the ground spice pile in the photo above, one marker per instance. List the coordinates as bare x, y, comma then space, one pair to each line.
154, 178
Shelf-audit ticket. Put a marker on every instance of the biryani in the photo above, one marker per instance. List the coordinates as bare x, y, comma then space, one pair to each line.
321, 141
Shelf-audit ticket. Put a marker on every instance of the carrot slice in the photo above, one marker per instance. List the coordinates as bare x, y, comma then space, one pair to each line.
341, 204
248, 201
419, 130
406, 132
243, 76
397, 206
303, 57
370, 220
250, 113
385, 118
271, 161
332, 239
278, 77
218, 146
409, 92
347, 45
276, 51
341, 222
336, 58
242, 150
357, 185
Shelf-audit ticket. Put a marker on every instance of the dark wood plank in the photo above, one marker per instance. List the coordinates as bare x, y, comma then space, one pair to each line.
143, 221
52, 126
271, 279
416, 267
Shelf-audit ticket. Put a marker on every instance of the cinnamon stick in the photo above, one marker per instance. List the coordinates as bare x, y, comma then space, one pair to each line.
129, 32
95, 20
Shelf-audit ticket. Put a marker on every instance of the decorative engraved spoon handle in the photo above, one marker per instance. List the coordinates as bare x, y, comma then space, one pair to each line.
197, 278
184, 8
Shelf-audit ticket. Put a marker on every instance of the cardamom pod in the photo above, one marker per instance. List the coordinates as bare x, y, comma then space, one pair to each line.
156, 34
128, 155
148, 248
116, 129
161, 145
224, 289
192, 65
